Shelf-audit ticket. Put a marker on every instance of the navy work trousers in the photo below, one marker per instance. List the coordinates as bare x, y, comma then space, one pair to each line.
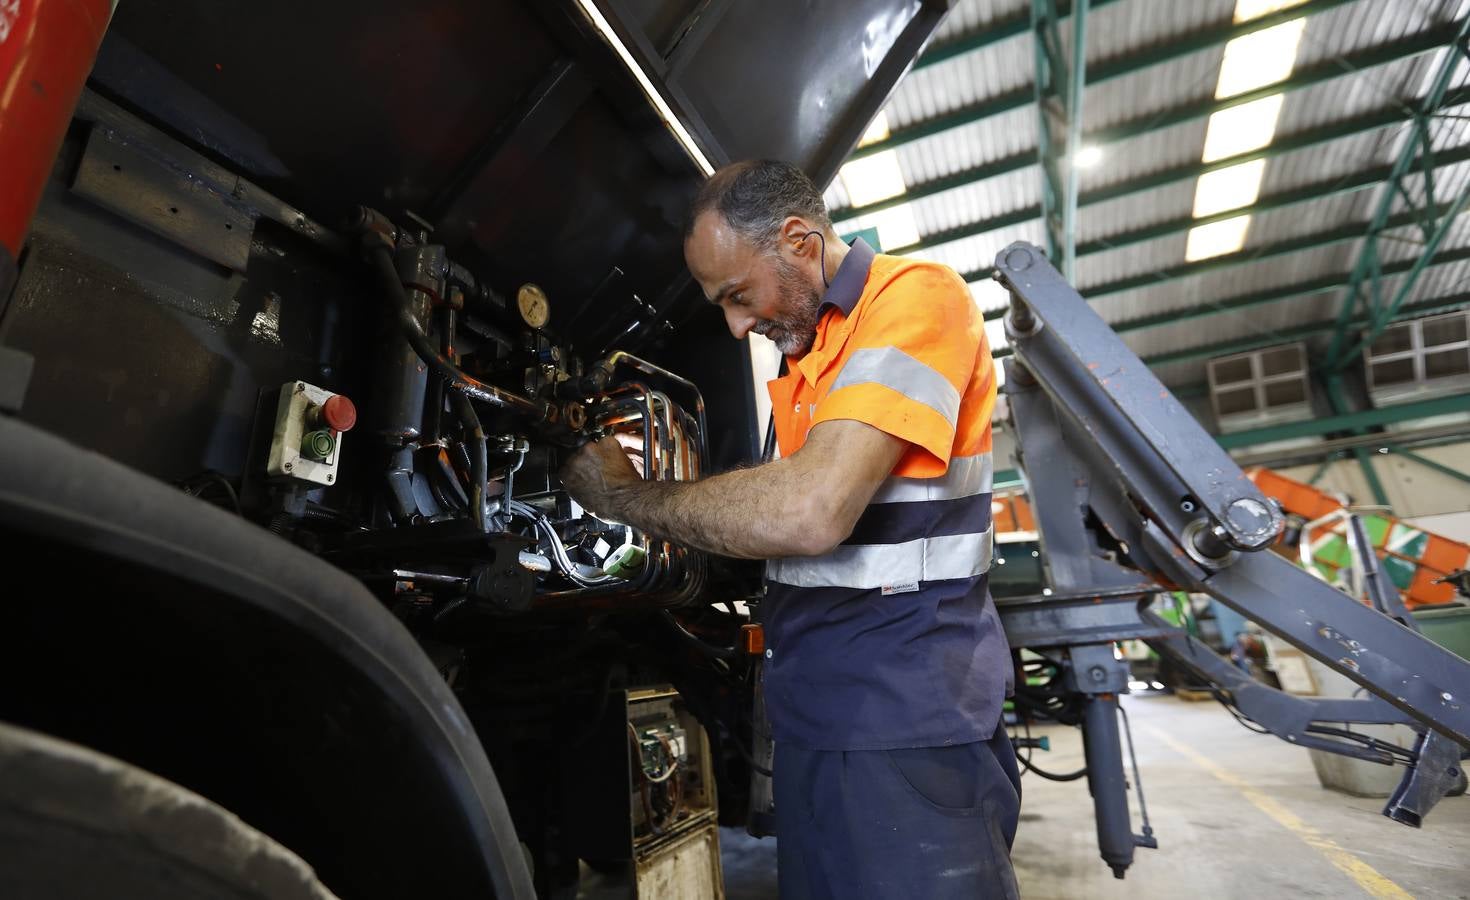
931, 822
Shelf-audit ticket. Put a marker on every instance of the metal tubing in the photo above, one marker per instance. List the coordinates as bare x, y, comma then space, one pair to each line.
649, 368
457, 379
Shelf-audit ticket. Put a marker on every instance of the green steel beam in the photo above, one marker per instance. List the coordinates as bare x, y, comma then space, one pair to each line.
1354, 181
1368, 418
1366, 287
1431, 464
1301, 332
1327, 70
1261, 298
991, 33
1294, 333
1273, 295
1058, 87
1338, 235
1282, 145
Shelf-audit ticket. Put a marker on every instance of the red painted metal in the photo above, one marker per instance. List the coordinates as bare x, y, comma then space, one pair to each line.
47, 47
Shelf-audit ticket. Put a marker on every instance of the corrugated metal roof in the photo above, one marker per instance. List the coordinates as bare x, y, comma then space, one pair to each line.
969, 16
1140, 27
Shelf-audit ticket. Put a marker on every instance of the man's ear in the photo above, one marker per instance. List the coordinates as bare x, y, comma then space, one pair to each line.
795, 237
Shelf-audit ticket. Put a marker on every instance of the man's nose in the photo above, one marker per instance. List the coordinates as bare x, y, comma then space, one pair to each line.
739, 324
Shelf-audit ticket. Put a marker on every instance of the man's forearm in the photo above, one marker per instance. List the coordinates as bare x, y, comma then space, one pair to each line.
732, 514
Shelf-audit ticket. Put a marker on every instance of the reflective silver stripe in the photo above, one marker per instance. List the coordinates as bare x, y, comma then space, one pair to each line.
895, 369
868, 566
965, 477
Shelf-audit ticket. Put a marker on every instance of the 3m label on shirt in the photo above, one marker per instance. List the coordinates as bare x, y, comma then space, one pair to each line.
906, 588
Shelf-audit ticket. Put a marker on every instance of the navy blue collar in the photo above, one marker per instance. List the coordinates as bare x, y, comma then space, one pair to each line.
852, 276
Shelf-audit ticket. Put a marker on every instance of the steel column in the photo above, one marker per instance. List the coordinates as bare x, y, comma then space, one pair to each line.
1058, 88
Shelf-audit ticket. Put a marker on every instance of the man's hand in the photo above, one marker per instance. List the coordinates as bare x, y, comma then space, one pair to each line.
802, 505
598, 468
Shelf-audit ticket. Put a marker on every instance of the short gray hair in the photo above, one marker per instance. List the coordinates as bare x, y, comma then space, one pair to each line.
755, 196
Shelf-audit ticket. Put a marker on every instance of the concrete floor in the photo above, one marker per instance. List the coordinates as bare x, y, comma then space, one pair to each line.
1237, 815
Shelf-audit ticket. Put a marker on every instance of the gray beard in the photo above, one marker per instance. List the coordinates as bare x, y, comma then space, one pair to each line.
794, 332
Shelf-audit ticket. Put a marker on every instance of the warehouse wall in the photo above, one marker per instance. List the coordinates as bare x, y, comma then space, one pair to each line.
1422, 496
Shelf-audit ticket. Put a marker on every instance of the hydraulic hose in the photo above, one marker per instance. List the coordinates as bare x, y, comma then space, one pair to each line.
453, 375
474, 438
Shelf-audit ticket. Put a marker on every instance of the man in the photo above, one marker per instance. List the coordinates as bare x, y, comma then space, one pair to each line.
886, 667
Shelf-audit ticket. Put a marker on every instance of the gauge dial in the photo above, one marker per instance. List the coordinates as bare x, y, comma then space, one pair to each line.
535, 309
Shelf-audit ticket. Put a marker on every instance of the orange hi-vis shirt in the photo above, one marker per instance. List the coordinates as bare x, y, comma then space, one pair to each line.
891, 640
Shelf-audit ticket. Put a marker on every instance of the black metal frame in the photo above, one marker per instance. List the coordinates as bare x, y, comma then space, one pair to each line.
1102, 441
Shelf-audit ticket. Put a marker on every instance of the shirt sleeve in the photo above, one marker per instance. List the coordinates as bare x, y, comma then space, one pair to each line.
912, 356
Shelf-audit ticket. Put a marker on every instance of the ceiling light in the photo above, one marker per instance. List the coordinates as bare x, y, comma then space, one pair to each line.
1256, 60
874, 178
1240, 129
877, 130
665, 112
1245, 10
1088, 156
897, 228
1231, 188
1216, 238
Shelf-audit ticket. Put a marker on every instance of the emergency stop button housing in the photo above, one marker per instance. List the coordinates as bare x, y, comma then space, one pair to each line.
306, 443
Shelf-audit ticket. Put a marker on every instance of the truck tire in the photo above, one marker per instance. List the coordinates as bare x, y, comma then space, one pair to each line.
76, 824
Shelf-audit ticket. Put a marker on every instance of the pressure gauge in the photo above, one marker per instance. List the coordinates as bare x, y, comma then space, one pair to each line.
534, 307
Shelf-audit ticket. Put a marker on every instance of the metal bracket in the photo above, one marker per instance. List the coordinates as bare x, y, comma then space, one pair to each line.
119, 177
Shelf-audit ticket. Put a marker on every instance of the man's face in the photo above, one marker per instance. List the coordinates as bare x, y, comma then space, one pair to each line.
770, 292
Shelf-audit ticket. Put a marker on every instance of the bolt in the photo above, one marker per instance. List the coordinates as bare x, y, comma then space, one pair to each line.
1018, 259
330, 477
287, 467
1097, 674
1447, 695
1249, 516
1186, 505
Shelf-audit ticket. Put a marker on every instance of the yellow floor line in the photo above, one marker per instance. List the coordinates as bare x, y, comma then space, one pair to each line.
1367, 877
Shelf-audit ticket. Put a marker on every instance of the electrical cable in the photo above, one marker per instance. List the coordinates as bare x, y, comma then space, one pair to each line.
559, 555
195, 485
696, 641
1029, 766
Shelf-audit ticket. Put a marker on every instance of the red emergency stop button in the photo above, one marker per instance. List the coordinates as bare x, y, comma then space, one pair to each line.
338, 413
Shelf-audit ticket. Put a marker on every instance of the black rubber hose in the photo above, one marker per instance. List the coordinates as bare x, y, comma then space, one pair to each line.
697, 642
457, 378
474, 440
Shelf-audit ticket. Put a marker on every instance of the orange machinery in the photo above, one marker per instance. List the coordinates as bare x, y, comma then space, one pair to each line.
1412, 558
